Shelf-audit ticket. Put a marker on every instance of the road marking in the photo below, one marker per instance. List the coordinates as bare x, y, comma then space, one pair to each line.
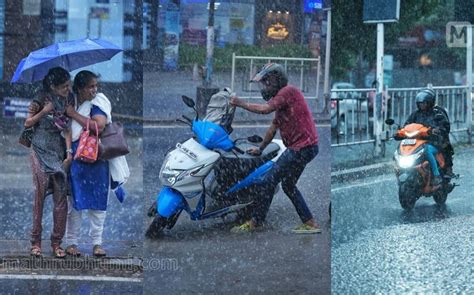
165, 126
351, 186
361, 169
69, 278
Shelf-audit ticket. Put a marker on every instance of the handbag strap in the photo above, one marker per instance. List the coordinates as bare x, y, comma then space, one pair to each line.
96, 131
87, 124
96, 128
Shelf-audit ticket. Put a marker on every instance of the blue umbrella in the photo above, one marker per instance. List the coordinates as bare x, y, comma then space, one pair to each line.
70, 55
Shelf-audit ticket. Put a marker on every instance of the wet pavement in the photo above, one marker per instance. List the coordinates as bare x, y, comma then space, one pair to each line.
120, 272
379, 248
67, 285
211, 259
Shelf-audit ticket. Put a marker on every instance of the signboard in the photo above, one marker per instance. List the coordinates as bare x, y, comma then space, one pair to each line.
381, 11
15, 107
99, 12
277, 31
311, 5
456, 34
171, 38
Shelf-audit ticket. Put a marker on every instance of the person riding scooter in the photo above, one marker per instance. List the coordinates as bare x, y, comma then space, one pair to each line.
435, 117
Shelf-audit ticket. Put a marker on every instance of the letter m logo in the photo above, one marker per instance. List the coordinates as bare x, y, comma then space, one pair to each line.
456, 34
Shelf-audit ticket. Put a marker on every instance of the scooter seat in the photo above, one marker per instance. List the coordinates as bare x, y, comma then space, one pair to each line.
268, 153
233, 166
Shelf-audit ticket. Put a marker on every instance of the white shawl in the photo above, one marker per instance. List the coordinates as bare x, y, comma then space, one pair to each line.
118, 166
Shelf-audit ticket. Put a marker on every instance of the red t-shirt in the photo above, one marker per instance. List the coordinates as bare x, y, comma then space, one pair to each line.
294, 119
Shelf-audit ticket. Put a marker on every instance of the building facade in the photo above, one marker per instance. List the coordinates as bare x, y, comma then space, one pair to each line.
28, 25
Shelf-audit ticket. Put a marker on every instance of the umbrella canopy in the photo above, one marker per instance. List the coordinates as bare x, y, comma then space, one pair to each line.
70, 55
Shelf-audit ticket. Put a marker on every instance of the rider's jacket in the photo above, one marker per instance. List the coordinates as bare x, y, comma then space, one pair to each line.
440, 138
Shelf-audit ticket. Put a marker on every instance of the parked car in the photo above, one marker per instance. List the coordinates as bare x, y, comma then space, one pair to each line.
352, 104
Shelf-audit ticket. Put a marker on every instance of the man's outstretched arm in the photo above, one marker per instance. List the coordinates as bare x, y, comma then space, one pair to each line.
252, 107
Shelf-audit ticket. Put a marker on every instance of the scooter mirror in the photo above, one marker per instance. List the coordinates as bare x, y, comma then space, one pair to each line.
188, 101
389, 122
255, 139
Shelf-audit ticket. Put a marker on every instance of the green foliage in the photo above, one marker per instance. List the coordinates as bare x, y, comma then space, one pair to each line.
189, 54
222, 59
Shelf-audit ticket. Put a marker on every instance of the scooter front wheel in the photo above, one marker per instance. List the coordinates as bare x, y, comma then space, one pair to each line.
407, 196
156, 227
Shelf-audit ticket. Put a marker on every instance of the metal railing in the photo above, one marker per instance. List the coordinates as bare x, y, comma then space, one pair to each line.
302, 72
352, 112
454, 99
352, 116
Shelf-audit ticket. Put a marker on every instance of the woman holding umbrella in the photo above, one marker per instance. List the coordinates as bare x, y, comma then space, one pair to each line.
51, 155
90, 182
48, 147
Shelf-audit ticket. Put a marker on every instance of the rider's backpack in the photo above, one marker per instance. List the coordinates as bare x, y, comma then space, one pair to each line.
220, 111
442, 110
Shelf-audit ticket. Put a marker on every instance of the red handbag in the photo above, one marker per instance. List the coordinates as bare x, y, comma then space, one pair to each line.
88, 147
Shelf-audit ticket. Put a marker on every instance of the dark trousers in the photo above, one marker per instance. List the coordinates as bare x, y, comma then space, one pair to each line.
448, 152
286, 170
41, 182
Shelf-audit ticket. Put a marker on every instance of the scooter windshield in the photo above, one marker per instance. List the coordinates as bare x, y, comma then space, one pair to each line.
212, 136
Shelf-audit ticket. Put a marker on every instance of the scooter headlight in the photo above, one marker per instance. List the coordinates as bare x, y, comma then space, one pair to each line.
408, 161
168, 175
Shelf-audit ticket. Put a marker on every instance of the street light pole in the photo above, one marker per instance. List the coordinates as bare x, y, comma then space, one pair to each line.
206, 90
379, 96
469, 82
210, 44
327, 59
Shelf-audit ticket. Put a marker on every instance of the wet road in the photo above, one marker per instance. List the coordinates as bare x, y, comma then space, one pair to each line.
163, 90
377, 248
124, 221
211, 259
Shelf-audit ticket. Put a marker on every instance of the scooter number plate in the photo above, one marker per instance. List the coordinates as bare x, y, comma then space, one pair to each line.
186, 151
409, 141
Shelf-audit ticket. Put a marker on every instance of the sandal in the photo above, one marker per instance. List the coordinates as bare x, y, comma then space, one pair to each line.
35, 251
58, 252
73, 251
98, 251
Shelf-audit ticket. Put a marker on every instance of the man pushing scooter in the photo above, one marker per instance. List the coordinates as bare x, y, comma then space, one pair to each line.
298, 132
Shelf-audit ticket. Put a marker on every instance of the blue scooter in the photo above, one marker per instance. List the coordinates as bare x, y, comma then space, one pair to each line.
210, 175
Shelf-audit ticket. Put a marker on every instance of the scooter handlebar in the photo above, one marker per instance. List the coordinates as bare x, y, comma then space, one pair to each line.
238, 150
182, 121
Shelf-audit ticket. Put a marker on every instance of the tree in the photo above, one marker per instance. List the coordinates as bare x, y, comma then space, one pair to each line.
354, 42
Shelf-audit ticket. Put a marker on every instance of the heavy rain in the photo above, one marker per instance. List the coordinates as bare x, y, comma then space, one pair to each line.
399, 226
374, 130
168, 49
248, 34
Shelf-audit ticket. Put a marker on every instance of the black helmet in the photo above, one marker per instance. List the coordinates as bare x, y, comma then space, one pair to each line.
272, 70
426, 95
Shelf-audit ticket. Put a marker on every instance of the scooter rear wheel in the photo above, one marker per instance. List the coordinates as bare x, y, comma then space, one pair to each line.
440, 196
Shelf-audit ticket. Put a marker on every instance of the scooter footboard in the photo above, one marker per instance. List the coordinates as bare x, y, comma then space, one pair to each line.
169, 201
